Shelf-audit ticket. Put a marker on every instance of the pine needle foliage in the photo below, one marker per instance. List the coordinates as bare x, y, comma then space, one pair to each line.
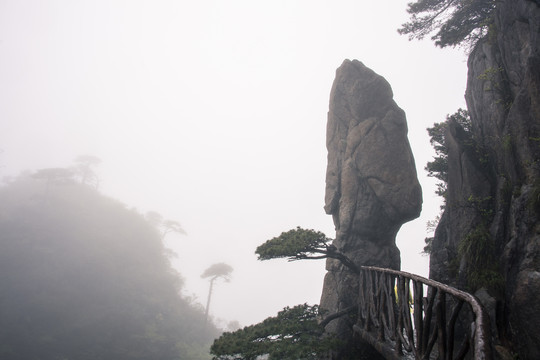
293, 334
452, 22
438, 168
301, 244
295, 244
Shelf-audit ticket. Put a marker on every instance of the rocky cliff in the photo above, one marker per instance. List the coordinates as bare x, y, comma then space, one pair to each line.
371, 183
488, 238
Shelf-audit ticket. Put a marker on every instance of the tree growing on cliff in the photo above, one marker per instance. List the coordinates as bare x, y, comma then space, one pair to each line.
301, 244
453, 22
295, 333
438, 168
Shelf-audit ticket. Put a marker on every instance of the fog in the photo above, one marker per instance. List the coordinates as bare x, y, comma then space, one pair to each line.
213, 113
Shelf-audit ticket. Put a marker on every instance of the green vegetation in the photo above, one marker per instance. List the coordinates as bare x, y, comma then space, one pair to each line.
85, 278
438, 168
478, 251
431, 226
534, 200
452, 22
483, 206
490, 74
428, 247
497, 84
301, 244
476, 248
295, 244
293, 334
507, 142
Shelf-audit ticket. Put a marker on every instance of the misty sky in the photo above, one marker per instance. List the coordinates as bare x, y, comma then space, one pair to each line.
213, 113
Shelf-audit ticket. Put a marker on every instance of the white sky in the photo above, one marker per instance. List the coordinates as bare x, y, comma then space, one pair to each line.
213, 113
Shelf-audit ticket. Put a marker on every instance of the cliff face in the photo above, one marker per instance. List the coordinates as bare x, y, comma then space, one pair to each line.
489, 234
371, 182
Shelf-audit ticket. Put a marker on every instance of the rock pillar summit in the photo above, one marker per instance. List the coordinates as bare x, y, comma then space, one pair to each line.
371, 183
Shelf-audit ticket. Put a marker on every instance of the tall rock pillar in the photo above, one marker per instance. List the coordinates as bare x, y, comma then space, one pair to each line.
371, 183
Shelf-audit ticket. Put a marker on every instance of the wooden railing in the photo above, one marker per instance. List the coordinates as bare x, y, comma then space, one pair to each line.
428, 320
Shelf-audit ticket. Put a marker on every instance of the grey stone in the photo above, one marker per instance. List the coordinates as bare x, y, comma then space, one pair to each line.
371, 183
499, 160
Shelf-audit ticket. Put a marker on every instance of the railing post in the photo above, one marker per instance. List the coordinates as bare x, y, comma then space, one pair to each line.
418, 323
441, 324
399, 332
367, 284
379, 291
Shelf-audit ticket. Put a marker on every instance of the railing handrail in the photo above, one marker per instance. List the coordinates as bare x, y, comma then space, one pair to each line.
481, 337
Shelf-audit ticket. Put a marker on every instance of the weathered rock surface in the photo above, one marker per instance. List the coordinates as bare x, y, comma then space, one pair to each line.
371, 183
494, 176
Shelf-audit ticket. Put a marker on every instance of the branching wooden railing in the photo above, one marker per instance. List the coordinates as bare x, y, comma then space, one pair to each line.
403, 323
